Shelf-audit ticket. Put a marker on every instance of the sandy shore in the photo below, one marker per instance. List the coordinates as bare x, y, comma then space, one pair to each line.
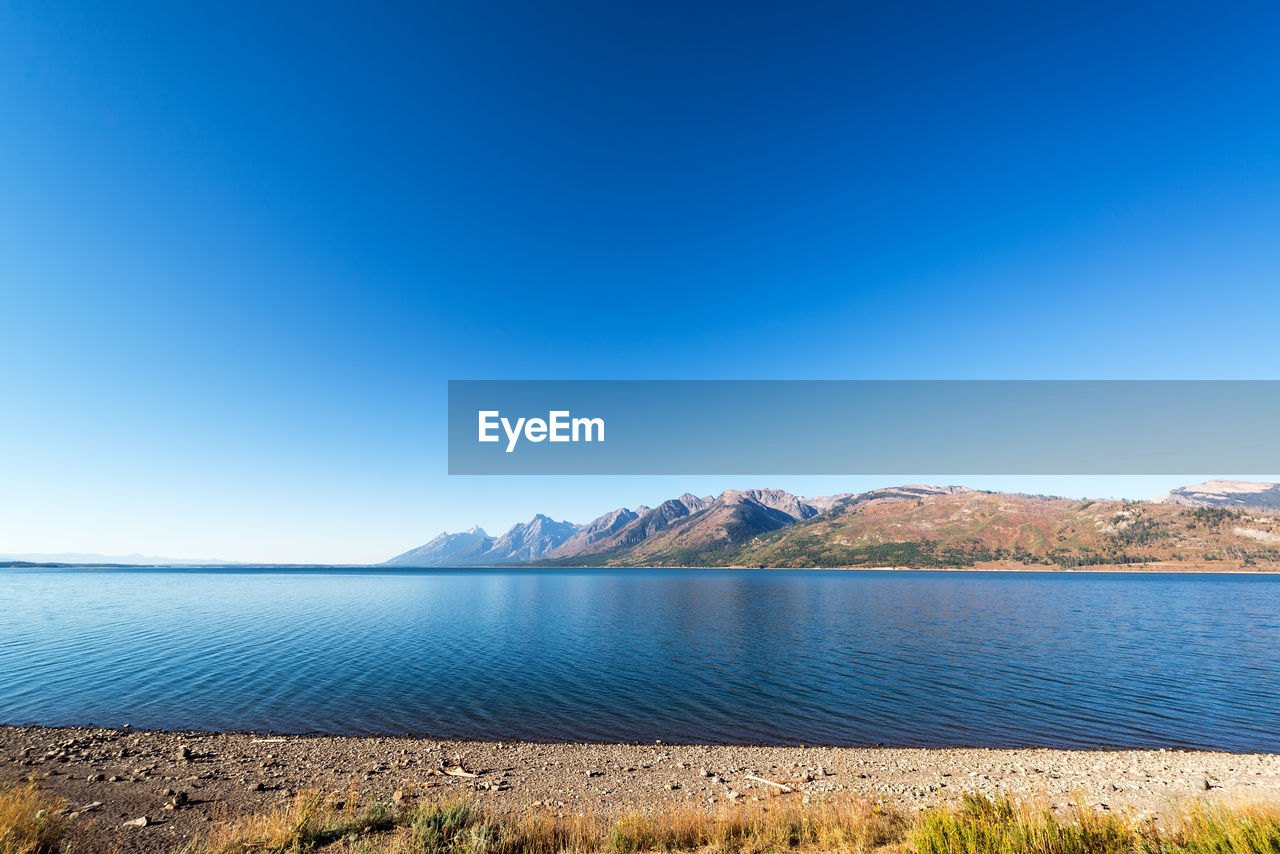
111, 777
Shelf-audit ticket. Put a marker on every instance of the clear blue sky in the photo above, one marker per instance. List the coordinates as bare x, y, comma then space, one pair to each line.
242, 247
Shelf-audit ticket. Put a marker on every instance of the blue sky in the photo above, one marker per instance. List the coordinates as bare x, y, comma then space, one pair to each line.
242, 248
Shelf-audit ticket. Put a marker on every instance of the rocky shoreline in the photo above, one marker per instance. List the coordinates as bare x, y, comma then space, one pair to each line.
179, 782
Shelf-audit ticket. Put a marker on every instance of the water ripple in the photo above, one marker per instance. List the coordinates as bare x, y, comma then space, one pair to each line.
1007, 659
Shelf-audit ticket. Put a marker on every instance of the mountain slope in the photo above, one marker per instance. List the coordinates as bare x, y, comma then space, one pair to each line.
640, 526
681, 530
446, 550
523, 542
849, 502
600, 528
732, 517
1226, 493
529, 541
970, 528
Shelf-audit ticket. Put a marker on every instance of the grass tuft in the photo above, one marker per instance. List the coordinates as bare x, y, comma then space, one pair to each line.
31, 822
985, 826
846, 826
311, 820
1208, 829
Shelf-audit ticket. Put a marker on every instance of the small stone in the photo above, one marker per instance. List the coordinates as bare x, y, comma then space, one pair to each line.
255, 787
94, 778
142, 821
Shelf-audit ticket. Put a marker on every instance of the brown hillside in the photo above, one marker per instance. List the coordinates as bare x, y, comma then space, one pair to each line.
976, 528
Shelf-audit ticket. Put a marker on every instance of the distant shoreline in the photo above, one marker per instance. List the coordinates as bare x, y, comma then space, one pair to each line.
1150, 569
1153, 568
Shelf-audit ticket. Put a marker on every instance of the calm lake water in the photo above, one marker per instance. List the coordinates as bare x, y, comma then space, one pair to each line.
793, 657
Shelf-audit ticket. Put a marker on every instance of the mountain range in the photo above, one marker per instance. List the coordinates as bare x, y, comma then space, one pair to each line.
1218, 524
527, 541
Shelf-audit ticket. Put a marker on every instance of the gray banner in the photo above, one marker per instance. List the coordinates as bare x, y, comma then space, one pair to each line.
863, 427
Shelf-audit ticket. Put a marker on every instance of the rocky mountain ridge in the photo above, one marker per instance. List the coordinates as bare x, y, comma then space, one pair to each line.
683, 523
1216, 525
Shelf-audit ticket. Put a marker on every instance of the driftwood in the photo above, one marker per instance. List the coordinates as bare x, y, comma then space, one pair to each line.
459, 771
783, 787
266, 740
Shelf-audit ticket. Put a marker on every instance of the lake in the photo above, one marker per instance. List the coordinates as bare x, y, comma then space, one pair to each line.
729, 656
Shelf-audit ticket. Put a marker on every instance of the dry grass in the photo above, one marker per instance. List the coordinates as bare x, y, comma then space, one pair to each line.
1248, 829
31, 822
457, 826
848, 825
983, 826
353, 825
312, 820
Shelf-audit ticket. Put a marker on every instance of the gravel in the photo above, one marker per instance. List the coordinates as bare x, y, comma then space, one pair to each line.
179, 780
